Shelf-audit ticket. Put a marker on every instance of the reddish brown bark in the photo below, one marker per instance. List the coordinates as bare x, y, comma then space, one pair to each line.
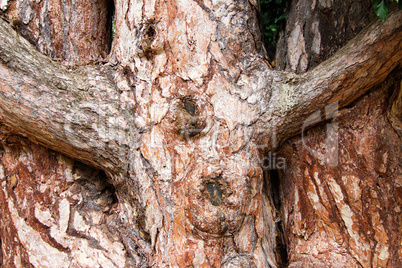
37, 183
78, 32
315, 30
339, 194
178, 119
347, 213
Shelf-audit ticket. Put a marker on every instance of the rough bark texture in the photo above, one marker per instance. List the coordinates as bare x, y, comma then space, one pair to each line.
78, 32
55, 211
339, 195
317, 29
349, 213
178, 120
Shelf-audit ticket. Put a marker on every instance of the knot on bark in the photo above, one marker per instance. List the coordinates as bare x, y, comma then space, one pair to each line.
149, 43
215, 189
213, 211
189, 123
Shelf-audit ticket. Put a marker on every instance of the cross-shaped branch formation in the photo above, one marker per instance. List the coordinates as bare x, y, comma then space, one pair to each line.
180, 116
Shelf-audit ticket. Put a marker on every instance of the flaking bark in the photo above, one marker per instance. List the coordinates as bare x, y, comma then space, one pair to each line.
122, 117
363, 63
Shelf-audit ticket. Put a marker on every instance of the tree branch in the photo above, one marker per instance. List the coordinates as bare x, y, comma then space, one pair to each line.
76, 112
82, 114
359, 66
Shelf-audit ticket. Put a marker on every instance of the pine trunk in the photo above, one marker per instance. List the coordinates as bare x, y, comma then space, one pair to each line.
339, 195
134, 134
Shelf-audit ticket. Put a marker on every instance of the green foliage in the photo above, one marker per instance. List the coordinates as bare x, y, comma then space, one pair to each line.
113, 27
273, 20
381, 8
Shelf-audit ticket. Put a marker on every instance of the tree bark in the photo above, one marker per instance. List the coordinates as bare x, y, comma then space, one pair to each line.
178, 118
340, 189
339, 193
78, 32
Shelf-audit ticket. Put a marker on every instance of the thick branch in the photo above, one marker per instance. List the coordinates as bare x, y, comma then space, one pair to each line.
77, 113
362, 64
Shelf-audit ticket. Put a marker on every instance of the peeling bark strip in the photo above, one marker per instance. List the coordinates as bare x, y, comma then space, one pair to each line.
315, 30
72, 110
178, 119
78, 32
56, 212
351, 213
339, 193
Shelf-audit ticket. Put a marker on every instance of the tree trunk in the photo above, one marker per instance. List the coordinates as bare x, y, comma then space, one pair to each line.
147, 151
339, 195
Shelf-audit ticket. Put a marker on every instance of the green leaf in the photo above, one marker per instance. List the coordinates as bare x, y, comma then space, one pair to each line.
282, 17
272, 27
381, 10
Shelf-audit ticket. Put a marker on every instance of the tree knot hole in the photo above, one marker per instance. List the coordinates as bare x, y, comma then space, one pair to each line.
189, 106
148, 44
148, 34
189, 123
215, 193
150, 31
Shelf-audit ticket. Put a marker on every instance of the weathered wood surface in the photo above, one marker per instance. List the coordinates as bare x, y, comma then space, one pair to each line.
339, 195
183, 195
346, 212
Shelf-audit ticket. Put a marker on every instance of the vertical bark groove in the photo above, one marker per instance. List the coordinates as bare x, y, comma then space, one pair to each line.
174, 119
77, 32
316, 30
337, 213
272, 186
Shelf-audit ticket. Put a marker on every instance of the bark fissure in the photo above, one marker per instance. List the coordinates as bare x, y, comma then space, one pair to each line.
355, 64
64, 101
180, 124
